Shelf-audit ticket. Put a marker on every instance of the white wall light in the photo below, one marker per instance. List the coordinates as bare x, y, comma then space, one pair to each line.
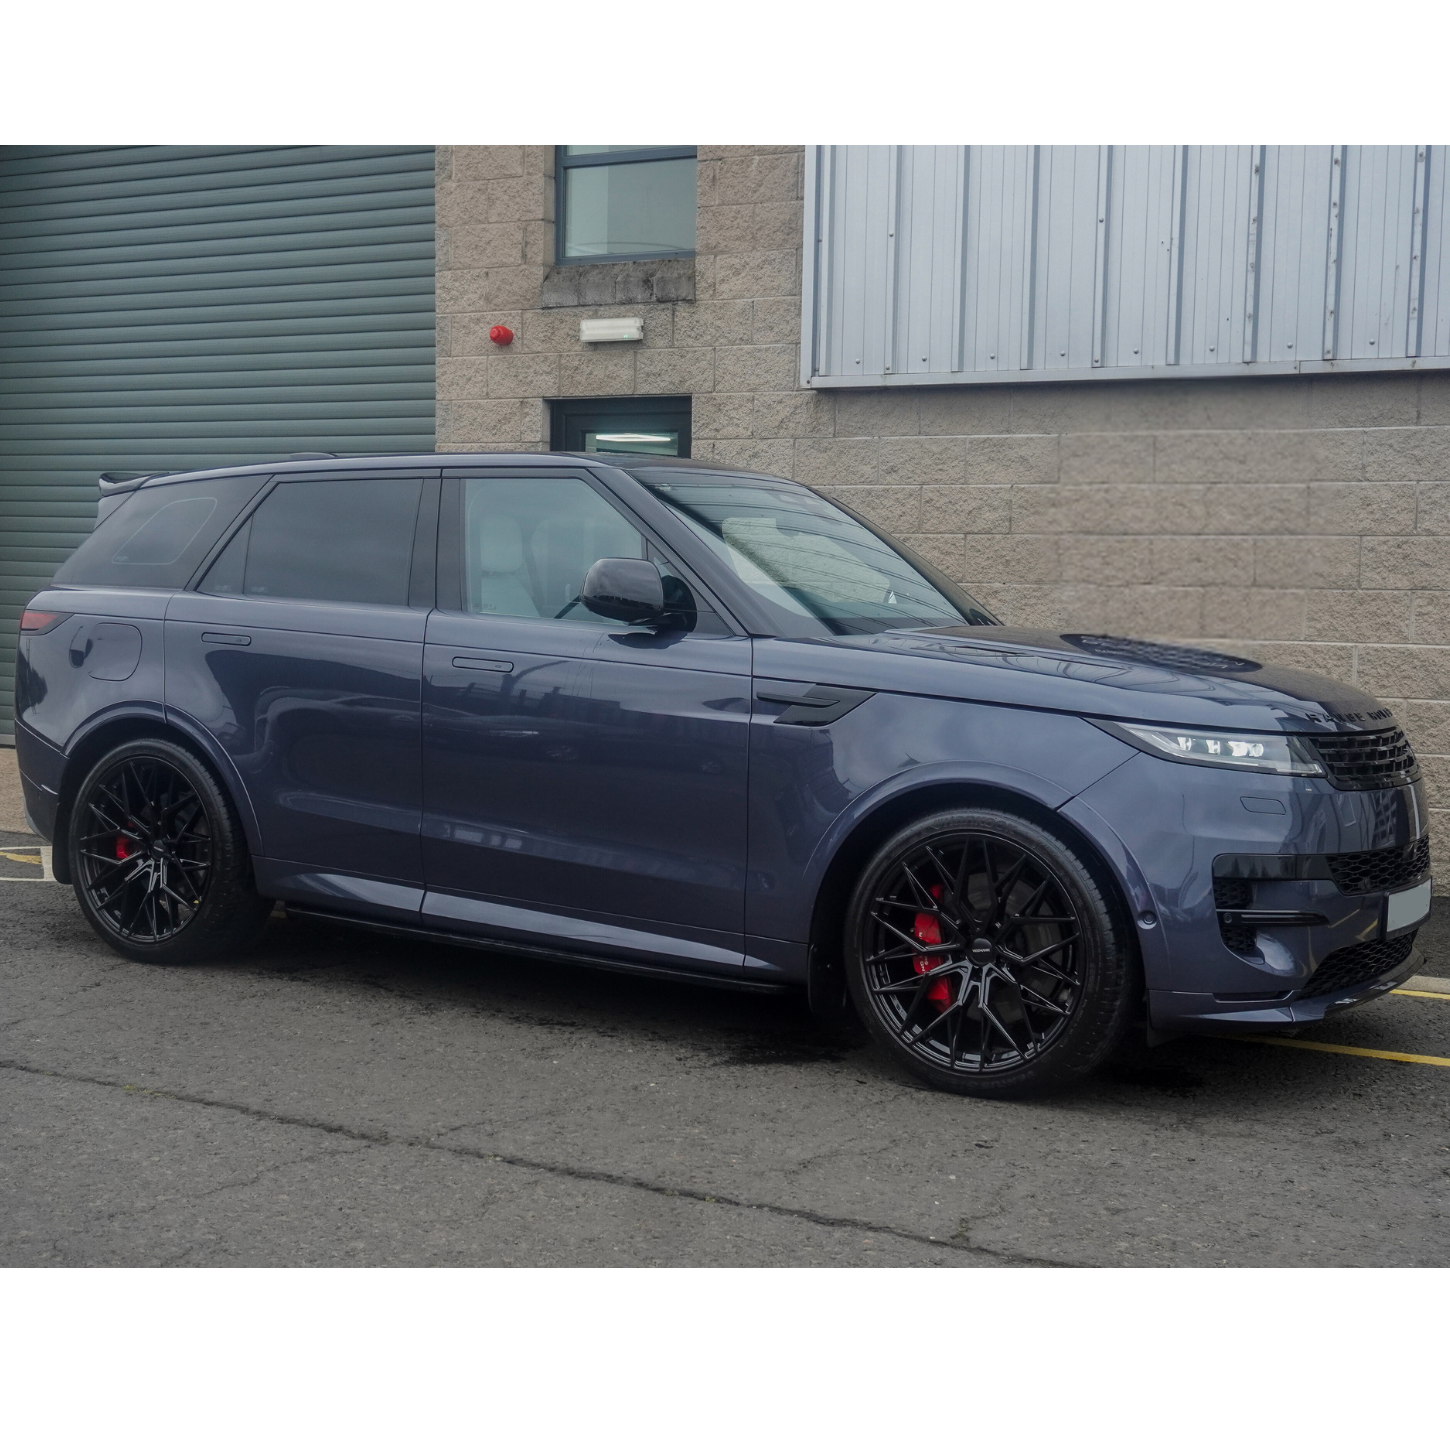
612, 329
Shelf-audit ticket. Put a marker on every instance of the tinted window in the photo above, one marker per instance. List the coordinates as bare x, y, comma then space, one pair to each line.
346, 540
812, 566
529, 542
157, 536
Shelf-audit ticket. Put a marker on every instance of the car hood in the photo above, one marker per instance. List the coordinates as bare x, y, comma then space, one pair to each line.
1089, 674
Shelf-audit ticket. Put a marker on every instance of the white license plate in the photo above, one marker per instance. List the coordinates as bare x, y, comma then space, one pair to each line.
1405, 908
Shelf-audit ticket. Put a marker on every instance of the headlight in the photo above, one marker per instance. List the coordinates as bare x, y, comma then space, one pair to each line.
1269, 754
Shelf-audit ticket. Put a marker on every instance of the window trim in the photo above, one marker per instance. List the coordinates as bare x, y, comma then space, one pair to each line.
422, 567
564, 163
451, 565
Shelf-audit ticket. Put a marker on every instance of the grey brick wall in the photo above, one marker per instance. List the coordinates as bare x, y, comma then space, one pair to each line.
1305, 521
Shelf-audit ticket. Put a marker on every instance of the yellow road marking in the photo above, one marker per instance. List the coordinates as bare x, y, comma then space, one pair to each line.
1352, 1051
1412, 992
25, 860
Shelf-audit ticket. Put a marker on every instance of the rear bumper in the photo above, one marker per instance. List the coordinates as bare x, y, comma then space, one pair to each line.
41, 768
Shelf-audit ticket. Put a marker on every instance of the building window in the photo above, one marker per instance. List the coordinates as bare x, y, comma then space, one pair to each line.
621, 425
624, 203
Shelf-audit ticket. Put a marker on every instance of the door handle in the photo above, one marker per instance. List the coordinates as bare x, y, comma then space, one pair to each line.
210, 637
819, 705
472, 662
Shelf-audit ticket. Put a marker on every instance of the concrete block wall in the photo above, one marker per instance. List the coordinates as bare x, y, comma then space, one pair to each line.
1304, 521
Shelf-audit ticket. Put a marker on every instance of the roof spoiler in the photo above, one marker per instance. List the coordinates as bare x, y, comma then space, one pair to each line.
122, 482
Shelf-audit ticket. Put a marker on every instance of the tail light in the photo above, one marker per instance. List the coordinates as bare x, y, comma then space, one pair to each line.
40, 621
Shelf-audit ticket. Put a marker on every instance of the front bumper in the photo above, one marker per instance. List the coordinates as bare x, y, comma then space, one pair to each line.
1173, 1012
1178, 823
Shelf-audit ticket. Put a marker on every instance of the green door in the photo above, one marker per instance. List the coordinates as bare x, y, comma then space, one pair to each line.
172, 307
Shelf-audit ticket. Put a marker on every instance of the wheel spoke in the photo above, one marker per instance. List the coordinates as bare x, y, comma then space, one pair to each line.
896, 954
111, 863
1026, 913
924, 899
1005, 883
1045, 1004
918, 949
125, 882
990, 1016
186, 880
1044, 951
910, 984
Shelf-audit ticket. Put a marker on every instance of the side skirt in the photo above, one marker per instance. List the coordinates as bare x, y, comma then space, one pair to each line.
548, 954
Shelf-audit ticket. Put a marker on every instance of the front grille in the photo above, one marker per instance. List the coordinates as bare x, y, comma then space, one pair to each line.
1357, 873
1371, 761
1353, 966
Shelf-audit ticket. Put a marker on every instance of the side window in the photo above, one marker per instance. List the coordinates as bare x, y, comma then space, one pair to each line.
529, 542
345, 540
157, 536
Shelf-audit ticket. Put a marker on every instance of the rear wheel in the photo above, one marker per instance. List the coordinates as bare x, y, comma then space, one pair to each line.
158, 858
982, 954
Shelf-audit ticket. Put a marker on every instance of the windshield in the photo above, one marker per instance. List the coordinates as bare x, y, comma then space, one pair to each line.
815, 568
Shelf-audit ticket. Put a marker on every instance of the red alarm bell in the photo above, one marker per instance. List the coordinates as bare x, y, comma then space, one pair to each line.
500, 334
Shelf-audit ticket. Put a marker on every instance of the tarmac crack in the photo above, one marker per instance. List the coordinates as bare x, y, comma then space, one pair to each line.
954, 1244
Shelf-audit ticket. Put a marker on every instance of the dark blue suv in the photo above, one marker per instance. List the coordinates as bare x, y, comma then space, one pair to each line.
669, 718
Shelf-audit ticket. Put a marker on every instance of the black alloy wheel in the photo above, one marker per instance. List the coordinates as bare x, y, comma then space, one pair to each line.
158, 858
145, 849
984, 956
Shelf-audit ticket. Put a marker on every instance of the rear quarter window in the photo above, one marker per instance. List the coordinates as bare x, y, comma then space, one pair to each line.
159, 535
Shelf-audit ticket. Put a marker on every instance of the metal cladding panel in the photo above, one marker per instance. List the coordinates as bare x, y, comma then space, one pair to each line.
181, 307
977, 264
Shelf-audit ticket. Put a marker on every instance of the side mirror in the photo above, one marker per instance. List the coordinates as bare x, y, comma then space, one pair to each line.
629, 590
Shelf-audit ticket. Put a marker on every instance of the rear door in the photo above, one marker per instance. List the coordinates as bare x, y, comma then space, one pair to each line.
301, 653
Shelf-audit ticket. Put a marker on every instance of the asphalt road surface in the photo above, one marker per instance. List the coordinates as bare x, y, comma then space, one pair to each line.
341, 1098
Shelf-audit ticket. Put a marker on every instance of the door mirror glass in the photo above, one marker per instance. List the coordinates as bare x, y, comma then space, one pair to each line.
629, 590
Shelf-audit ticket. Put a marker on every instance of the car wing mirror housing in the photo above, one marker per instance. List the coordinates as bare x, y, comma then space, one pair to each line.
629, 590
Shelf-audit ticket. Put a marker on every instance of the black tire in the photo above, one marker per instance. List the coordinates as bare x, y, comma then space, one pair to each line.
158, 858
982, 954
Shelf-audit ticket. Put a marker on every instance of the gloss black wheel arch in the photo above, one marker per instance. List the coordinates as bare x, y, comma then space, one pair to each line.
986, 957
158, 859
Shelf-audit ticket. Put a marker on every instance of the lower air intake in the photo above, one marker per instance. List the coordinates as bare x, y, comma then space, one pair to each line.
1356, 965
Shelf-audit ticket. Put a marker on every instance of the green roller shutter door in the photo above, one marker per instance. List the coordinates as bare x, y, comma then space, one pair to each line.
180, 307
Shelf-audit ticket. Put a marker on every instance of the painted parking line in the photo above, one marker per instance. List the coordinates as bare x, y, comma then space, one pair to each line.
40, 857
1411, 992
1380, 1053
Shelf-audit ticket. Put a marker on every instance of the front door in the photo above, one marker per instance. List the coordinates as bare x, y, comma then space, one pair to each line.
581, 778
301, 654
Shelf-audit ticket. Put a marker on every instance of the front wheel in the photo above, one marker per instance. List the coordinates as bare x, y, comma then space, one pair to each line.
158, 857
984, 957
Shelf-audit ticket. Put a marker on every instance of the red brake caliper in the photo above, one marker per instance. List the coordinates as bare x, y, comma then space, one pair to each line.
927, 929
123, 847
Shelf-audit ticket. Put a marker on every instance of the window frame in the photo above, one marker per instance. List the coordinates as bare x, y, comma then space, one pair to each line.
675, 413
423, 558
451, 565
564, 163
